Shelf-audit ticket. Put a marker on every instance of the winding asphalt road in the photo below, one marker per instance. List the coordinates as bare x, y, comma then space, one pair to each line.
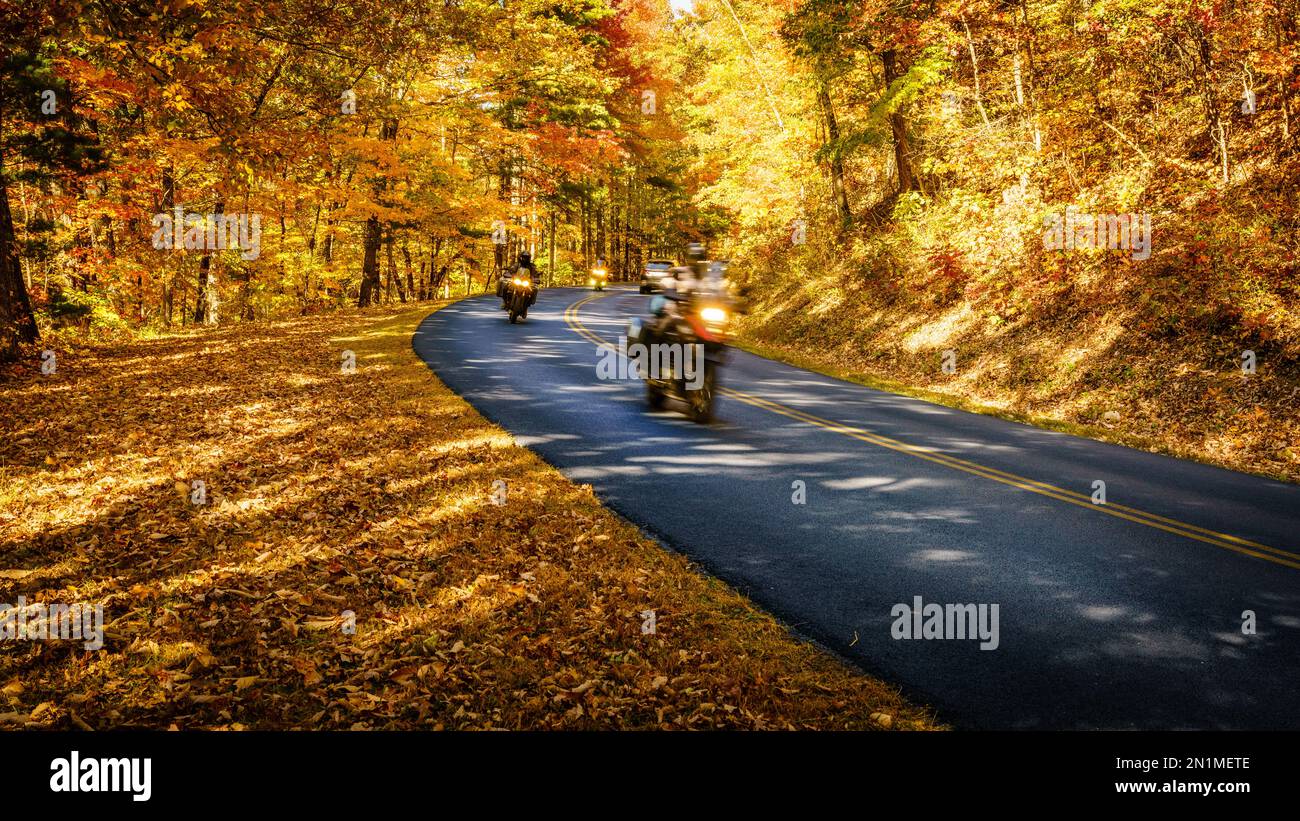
1122, 615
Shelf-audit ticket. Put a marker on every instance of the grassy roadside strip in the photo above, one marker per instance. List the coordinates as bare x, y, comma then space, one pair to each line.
368, 493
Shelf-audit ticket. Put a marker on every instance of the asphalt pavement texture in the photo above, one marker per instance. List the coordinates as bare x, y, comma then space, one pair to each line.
1123, 615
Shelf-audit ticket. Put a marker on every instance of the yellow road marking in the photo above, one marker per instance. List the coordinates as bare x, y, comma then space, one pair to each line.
1190, 531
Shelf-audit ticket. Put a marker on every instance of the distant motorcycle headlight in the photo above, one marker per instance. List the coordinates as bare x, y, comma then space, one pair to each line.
713, 315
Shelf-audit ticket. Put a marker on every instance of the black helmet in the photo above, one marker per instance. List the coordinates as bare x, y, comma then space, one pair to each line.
695, 251
525, 258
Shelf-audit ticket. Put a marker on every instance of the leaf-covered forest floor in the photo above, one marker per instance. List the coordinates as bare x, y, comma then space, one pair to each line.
1082, 365
369, 492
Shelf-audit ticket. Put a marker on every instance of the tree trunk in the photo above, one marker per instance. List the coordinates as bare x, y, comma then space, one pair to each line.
550, 273
907, 180
410, 279
838, 191
436, 242
169, 280
202, 312
391, 268
370, 285
17, 323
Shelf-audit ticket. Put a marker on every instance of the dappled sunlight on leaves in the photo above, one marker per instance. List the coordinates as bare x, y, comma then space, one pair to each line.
362, 498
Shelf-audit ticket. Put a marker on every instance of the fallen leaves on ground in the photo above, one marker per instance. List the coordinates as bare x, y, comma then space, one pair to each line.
347, 567
1083, 368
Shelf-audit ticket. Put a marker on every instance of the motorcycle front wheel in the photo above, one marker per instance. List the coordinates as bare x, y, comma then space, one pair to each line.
699, 402
654, 395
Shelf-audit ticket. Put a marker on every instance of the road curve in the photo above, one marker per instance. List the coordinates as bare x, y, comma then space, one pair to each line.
1123, 615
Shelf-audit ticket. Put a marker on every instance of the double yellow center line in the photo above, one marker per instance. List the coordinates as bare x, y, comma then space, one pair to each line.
1190, 531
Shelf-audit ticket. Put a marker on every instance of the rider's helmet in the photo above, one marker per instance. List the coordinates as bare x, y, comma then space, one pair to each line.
695, 252
525, 259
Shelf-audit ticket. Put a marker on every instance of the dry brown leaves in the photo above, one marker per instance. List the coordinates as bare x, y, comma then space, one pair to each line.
1083, 369
335, 498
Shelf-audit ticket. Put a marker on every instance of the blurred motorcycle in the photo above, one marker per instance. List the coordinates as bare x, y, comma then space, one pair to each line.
683, 344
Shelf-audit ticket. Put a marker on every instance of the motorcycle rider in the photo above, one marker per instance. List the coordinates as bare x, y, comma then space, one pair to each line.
697, 258
689, 276
524, 263
692, 317
678, 286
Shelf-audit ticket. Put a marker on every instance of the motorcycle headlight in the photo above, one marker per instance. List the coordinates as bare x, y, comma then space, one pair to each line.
713, 315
